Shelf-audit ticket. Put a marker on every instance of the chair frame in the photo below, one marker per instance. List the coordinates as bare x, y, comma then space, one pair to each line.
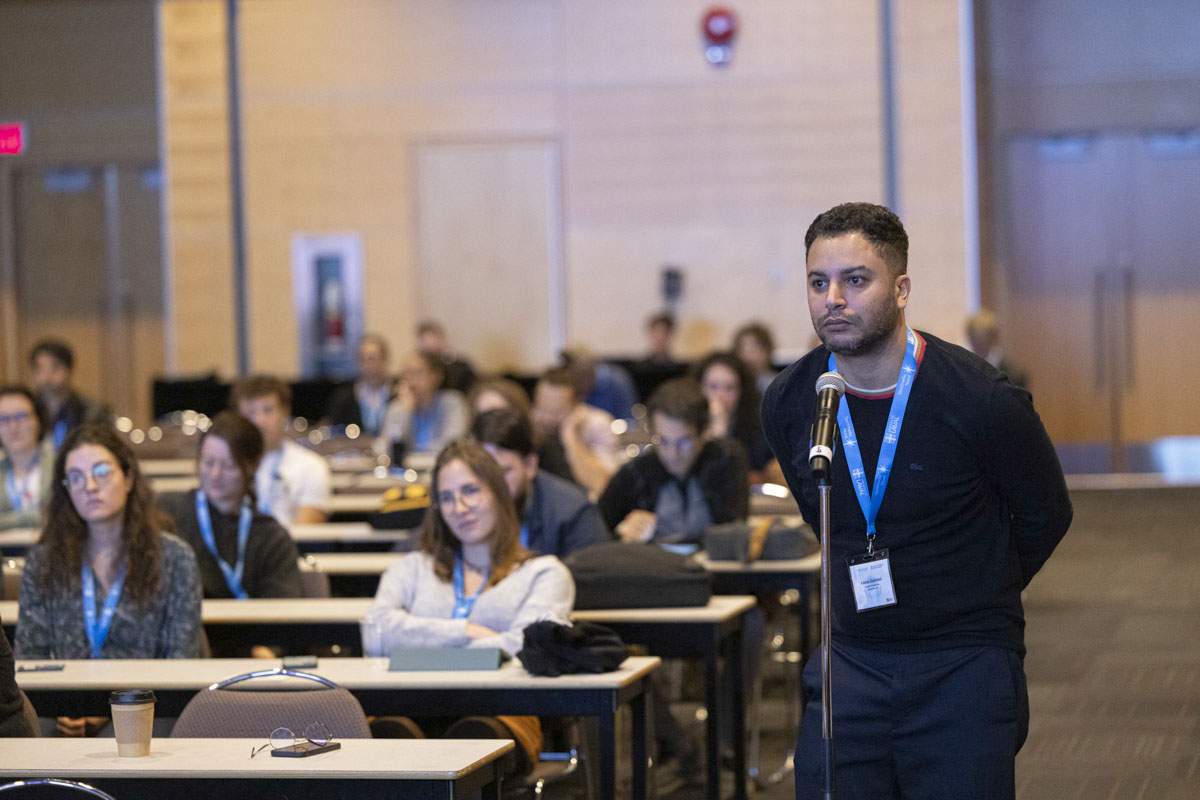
61, 782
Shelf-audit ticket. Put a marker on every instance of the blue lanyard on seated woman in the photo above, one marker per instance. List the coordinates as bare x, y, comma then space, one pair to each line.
462, 603
233, 575
97, 629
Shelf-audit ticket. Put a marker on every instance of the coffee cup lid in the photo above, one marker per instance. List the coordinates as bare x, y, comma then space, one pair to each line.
129, 697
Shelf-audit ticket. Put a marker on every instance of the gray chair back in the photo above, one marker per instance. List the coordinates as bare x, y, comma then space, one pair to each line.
250, 706
74, 787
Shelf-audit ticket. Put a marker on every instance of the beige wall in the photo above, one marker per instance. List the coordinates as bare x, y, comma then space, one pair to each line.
665, 159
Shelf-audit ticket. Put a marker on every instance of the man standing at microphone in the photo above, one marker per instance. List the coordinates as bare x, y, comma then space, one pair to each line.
947, 497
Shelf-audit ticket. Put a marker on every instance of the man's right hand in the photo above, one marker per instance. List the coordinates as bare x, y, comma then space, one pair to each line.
638, 526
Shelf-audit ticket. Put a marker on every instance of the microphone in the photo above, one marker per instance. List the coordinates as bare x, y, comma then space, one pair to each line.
830, 388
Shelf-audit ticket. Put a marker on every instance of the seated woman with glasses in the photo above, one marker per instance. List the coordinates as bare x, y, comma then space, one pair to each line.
102, 582
733, 401
471, 584
25, 469
241, 552
688, 481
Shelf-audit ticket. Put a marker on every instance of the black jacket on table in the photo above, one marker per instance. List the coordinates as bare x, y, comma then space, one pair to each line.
975, 504
721, 470
560, 518
271, 569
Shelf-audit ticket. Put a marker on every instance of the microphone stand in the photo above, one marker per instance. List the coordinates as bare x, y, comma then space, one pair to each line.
826, 633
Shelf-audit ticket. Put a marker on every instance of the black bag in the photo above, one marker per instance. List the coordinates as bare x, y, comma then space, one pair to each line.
782, 542
621, 575
553, 649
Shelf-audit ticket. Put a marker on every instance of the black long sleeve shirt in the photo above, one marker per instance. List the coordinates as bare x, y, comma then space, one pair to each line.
975, 504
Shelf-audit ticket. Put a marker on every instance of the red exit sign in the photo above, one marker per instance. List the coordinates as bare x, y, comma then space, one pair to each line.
12, 138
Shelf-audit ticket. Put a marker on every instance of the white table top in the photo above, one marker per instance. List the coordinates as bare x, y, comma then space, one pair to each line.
19, 537
349, 610
317, 533
393, 759
350, 563
719, 609
167, 467
193, 674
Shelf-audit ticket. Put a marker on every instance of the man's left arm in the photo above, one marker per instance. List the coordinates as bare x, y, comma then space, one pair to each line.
1021, 463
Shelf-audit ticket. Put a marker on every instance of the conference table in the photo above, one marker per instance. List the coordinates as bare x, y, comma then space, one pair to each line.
82, 687
710, 633
218, 769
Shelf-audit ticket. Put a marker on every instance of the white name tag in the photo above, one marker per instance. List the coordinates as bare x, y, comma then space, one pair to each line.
871, 577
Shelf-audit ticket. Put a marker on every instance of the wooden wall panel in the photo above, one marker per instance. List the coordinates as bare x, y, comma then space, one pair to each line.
666, 159
199, 243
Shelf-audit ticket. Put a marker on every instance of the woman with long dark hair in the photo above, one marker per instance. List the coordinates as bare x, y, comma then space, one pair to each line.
102, 581
241, 552
733, 402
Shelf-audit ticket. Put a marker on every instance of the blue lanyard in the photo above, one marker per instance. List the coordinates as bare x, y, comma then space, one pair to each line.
233, 576
16, 491
97, 630
462, 603
372, 406
525, 535
871, 501
60, 433
422, 427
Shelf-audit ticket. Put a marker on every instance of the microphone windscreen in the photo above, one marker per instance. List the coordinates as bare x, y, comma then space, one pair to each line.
831, 380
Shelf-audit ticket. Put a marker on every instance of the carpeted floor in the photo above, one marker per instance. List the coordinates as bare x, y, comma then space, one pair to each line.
1113, 631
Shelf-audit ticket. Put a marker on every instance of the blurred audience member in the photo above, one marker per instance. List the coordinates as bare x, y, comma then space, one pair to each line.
660, 333
686, 482
53, 365
556, 516
431, 338
292, 484
499, 393
364, 402
733, 405
755, 346
983, 333
573, 435
425, 416
27, 463
240, 552
600, 385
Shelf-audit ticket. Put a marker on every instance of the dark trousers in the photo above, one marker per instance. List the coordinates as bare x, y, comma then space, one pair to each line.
944, 725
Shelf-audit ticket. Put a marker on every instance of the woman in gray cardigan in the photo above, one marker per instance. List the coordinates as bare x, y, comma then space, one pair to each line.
471, 584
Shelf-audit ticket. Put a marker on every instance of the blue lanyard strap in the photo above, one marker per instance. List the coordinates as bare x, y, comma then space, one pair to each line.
233, 575
872, 500
17, 490
97, 629
525, 535
462, 603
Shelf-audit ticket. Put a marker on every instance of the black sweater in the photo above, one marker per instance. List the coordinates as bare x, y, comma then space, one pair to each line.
975, 504
721, 470
272, 568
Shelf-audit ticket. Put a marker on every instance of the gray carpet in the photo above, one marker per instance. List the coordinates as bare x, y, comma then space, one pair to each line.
1113, 631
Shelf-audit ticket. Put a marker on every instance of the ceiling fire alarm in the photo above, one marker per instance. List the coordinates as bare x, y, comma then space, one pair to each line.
719, 28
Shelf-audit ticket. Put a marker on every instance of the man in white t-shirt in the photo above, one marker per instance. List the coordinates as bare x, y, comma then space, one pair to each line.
292, 484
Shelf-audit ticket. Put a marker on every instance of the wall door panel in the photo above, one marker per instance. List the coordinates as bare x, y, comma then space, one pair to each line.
489, 254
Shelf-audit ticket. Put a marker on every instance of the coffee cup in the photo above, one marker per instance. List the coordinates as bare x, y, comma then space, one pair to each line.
133, 720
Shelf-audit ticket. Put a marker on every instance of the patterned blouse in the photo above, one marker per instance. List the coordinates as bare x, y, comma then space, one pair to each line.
51, 625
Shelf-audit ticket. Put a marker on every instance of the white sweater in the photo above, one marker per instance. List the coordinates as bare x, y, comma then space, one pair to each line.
415, 606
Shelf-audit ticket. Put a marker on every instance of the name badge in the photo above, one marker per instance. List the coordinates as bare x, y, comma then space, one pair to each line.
871, 577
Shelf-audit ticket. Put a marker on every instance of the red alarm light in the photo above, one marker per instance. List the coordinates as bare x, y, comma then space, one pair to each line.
719, 27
